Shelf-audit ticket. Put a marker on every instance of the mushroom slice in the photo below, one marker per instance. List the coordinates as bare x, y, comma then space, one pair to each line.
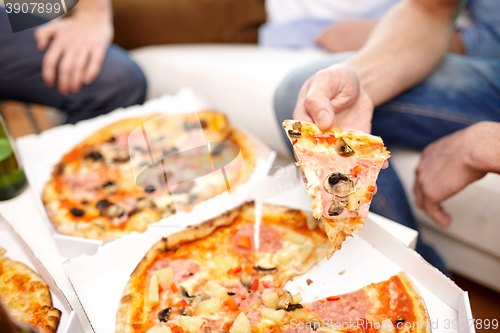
264, 271
336, 208
296, 132
113, 211
339, 184
164, 315
297, 126
284, 300
343, 149
184, 294
245, 279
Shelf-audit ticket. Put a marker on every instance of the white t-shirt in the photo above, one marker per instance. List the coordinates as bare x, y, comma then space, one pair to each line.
281, 11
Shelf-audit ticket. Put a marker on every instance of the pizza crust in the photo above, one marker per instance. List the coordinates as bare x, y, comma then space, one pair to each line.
420, 310
30, 301
132, 299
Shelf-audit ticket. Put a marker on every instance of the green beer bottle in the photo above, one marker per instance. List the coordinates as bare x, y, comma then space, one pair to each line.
12, 178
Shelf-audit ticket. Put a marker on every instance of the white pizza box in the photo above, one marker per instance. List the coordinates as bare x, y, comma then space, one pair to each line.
371, 256
39, 153
17, 250
286, 187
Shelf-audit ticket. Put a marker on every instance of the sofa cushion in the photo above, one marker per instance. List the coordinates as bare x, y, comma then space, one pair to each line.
238, 80
152, 22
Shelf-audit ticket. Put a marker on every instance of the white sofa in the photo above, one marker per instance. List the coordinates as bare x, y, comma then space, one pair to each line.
240, 81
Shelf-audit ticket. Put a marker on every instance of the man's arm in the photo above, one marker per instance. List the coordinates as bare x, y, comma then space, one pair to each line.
352, 34
76, 46
451, 163
406, 45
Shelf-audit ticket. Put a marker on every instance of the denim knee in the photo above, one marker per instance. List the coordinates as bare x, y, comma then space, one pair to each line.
121, 75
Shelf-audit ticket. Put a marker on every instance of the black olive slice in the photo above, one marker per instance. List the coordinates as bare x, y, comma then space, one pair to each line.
77, 212
292, 307
94, 155
294, 134
103, 204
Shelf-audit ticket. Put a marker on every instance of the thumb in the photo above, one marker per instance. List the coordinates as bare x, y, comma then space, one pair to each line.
322, 112
317, 102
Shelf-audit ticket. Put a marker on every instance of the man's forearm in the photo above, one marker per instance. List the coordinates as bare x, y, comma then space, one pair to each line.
484, 156
406, 45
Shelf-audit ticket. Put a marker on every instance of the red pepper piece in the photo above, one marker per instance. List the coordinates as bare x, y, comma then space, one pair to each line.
255, 284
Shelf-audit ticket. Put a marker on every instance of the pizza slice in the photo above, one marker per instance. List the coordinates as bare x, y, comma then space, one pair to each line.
390, 306
340, 168
26, 296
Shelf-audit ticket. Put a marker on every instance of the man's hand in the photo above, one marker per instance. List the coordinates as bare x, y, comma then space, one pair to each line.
76, 49
453, 162
333, 97
345, 35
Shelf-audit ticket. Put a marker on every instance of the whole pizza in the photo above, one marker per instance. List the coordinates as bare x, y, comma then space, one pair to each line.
229, 274
96, 191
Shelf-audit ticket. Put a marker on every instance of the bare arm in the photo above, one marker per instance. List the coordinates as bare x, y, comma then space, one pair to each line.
76, 46
352, 34
406, 45
453, 162
456, 44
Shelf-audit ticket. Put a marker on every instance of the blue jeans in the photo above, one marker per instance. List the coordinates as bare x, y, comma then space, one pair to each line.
119, 84
459, 93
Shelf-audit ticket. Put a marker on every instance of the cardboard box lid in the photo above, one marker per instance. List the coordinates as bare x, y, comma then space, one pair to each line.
371, 256
39, 154
18, 250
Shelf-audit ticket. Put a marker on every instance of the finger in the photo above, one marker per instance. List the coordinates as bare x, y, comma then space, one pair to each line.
419, 199
317, 102
385, 165
65, 69
50, 62
95, 63
43, 35
437, 213
78, 70
300, 111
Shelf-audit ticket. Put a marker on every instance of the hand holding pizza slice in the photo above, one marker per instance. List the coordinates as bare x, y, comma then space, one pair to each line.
340, 168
